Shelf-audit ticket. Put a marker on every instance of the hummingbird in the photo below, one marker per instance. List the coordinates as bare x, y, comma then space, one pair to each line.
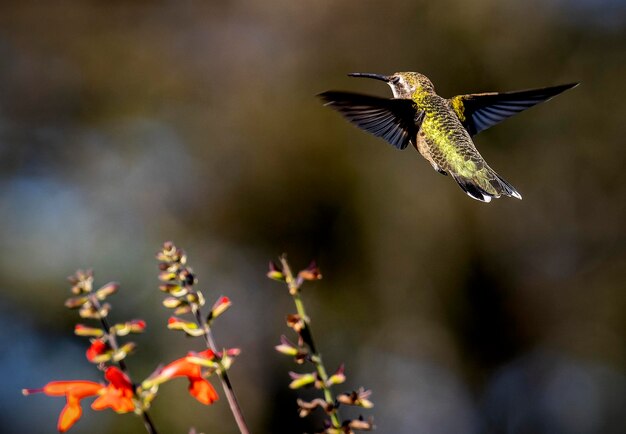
440, 129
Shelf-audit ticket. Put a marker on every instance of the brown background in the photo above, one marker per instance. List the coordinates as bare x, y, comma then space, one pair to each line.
127, 123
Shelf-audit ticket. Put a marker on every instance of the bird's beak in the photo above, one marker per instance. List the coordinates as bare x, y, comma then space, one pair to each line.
384, 78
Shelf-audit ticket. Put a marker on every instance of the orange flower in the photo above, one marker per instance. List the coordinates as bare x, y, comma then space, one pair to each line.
74, 391
199, 387
117, 395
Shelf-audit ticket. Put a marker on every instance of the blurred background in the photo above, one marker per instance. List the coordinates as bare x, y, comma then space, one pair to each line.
124, 124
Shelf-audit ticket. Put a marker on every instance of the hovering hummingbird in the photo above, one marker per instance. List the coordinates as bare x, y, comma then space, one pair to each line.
440, 129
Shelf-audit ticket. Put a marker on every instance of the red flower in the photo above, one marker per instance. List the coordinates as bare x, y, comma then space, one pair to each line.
74, 391
117, 395
199, 387
96, 352
219, 307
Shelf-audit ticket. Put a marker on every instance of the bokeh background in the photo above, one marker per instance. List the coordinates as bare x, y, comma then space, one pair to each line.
127, 123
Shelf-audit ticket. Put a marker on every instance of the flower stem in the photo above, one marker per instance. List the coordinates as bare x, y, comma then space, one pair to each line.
112, 340
147, 421
294, 285
222, 372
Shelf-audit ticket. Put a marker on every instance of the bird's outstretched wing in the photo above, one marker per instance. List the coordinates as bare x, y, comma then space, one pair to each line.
480, 111
395, 120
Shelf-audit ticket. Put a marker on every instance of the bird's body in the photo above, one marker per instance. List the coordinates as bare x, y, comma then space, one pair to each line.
442, 140
439, 128
446, 144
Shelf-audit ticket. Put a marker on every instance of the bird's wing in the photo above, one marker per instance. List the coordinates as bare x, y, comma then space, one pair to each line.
480, 111
395, 120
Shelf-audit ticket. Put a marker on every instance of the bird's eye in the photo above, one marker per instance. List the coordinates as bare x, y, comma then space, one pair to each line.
395, 80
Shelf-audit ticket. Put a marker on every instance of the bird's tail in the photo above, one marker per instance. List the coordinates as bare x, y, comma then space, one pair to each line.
484, 189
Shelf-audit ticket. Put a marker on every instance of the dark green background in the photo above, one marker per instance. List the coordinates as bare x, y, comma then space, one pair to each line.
127, 123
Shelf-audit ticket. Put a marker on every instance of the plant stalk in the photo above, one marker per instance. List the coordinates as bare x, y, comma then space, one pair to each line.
222, 373
294, 285
112, 340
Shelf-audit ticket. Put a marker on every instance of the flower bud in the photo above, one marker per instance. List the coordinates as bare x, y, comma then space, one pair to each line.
361, 425
75, 302
83, 330
134, 326
312, 272
306, 407
82, 281
191, 328
99, 351
358, 398
173, 289
219, 308
275, 273
167, 276
295, 322
182, 309
108, 289
301, 380
123, 351
286, 347
172, 302
338, 377
195, 297
187, 277
89, 311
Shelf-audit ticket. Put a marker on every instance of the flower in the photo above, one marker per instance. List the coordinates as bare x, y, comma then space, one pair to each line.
117, 395
199, 387
98, 352
74, 391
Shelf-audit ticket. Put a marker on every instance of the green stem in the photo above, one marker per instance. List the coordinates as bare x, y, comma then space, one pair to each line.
307, 336
222, 372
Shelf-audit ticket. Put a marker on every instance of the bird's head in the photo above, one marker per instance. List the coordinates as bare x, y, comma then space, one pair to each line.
403, 84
